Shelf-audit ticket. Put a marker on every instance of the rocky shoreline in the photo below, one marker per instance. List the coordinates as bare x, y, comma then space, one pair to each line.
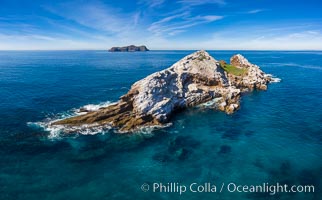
196, 79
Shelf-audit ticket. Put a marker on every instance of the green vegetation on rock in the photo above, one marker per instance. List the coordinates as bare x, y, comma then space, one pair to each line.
233, 69
201, 56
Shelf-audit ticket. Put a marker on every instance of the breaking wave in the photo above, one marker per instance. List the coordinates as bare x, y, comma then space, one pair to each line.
276, 80
95, 107
273, 79
55, 131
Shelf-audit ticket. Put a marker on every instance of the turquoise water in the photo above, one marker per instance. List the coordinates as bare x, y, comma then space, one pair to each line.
276, 136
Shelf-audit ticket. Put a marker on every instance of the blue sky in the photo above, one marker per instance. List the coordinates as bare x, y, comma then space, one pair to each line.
161, 24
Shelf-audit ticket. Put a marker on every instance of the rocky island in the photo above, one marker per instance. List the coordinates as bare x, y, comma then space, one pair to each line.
196, 79
130, 48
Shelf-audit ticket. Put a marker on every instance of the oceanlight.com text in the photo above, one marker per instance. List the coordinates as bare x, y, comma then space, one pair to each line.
231, 187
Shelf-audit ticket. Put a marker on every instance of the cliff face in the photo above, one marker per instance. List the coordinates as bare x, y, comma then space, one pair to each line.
195, 79
129, 48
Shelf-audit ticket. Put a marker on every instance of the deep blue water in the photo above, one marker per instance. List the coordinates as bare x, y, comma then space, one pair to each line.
276, 136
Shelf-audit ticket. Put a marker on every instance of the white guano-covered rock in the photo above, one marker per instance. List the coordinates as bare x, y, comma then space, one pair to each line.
197, 79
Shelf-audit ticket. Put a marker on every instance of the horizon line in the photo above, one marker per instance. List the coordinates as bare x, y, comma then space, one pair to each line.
163, 50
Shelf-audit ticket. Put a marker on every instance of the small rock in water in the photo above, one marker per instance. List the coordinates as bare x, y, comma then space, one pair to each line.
83, 110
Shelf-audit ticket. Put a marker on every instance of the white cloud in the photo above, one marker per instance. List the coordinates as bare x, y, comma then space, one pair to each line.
98, 26
201, 2
178, 23
255, 11
169, 18
182, 18
97, 15
302, 40
211, 18
151, 3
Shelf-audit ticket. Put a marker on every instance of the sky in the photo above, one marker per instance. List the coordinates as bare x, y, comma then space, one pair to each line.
161, 24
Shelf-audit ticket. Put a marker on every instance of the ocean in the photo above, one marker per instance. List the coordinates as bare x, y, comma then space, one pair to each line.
275, 137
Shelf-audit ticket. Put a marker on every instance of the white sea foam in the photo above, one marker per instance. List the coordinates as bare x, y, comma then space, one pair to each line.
312, 67
273, 79
210, 103
276, 80
55, 131
86, 129
95, 107
290, 64
297, 65
147, 130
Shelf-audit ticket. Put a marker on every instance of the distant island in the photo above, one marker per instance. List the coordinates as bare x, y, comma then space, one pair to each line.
130, 48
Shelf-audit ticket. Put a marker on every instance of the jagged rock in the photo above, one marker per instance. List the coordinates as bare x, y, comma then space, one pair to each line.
129, 48
193, 80
253, 79
231, 108
83, 110
239, 61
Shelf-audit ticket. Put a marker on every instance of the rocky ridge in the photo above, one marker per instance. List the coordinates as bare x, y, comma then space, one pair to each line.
194, 80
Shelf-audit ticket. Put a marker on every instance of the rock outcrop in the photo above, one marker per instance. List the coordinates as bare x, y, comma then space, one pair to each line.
130, 48
197, 79
254, 77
